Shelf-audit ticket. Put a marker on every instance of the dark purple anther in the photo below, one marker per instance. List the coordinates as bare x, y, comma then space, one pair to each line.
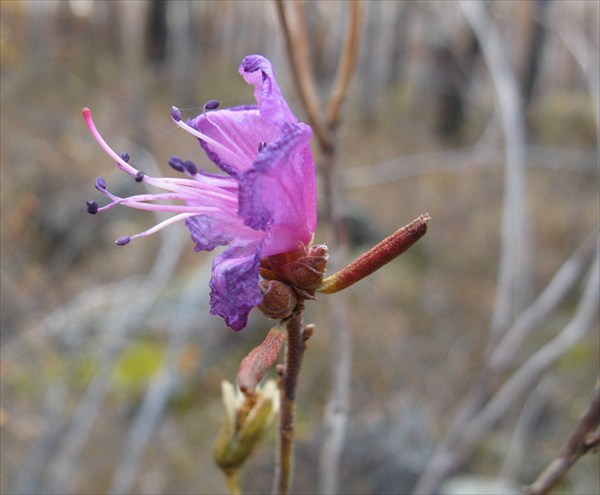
121, 241
139, 177
92, 206
175, 114
100, 184
124, 156
190, 167
211, 105
176, 163
261, 146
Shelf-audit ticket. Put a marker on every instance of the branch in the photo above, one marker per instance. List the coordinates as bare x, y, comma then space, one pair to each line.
581, 440
476, 417
347, 65
514, 248
297, 49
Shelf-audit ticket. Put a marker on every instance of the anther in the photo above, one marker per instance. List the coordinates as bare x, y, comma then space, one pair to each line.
211, 105
262, 145
190, 167
124, 156
92, 206
121, 241
176, 163
100, 184
175, 114
139, 177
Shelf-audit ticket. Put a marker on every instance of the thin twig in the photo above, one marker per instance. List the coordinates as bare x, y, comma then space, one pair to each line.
512, 277
119, 324
347, 65
297, 49
555, 292
476, 424
160, 389
581, 440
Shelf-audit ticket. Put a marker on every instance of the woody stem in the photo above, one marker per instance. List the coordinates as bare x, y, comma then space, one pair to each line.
288, 380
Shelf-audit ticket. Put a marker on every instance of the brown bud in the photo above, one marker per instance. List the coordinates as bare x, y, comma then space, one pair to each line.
279, 299
271, 267
302, 269
308, 271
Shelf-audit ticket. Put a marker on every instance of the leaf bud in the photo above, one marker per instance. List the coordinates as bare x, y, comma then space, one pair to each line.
246, 419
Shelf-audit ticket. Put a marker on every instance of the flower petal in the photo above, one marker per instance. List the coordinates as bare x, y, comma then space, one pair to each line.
278, 194
220, 228
258, 71
241, 129
234, 284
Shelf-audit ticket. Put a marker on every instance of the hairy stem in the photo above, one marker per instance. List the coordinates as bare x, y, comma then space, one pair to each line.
287, 388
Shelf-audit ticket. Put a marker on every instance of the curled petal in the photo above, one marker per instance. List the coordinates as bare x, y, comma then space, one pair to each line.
258, 71
234, 284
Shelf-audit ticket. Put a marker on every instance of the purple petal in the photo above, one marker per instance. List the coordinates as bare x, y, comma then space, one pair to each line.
234, 284
279, 193
206, 234
241, 129
220, 228
258, 71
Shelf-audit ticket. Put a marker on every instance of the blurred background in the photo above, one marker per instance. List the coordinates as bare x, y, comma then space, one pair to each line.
111, 364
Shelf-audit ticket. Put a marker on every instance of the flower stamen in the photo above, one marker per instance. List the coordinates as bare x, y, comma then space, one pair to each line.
232, 155
211, 105
121, 163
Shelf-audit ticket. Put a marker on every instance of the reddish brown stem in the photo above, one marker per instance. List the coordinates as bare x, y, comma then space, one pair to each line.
287, 387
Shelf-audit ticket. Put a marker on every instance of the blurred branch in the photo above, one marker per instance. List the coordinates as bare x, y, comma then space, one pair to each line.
515, 257
118, 325
464, 159
520, 441
297, 48
475, 420
347, 65
555, 292
161, 387
581, 440
586, 55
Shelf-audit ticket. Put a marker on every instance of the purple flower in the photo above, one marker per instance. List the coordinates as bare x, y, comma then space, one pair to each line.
264, 204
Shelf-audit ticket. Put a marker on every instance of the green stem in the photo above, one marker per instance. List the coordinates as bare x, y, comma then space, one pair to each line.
287, 388
233, 481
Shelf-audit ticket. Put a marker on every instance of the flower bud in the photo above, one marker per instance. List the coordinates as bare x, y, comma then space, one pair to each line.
307, 273
246, 420
302, 269
279, 299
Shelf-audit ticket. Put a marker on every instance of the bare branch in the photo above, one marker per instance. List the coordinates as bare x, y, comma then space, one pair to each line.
581, 440
160, 389
476, 418
347, 65
511, 292
297, 48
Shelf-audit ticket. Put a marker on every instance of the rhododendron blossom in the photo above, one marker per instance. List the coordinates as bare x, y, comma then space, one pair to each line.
262, 205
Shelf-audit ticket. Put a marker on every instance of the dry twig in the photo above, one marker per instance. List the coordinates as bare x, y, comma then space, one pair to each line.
581, 440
